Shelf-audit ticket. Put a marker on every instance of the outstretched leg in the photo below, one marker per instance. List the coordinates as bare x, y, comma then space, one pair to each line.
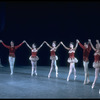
35, 64
70, 71
56, 68
11, 62
86, 80
74, 71
96, 76
32, 62
51, 69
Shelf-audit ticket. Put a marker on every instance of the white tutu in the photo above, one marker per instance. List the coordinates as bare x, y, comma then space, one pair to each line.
72, 60
53, 57
96, 64
34, 58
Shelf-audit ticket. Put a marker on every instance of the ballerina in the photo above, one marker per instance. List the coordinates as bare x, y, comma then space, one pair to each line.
34, 58
53, 57
12, 50
86, 51
96, 63
72, 60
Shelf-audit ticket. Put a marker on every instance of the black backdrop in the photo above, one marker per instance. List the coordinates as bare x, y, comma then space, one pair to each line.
39, 21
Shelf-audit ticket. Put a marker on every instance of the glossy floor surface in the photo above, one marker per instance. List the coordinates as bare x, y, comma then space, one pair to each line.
23, 85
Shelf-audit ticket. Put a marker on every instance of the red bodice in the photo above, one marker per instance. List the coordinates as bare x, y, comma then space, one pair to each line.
53, 53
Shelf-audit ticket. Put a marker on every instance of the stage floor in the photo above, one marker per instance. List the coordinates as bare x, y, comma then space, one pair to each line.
23, 85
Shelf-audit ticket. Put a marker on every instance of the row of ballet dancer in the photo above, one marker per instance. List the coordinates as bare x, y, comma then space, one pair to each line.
53, 57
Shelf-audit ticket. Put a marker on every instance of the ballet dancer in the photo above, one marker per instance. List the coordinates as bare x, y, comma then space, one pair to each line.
34, 58
72, 60
86, 51
12, 50
96, 63
53, 57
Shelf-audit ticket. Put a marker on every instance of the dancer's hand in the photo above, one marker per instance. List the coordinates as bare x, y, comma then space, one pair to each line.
44, 41
1, 41
77, 40
61, 42
24, 41
89, 40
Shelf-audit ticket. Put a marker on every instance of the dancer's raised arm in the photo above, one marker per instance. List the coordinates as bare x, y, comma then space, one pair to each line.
4, 44
16, 47
65, 46
48, 45
91, 45
77, 41
81, 45
58, 45
40, 46
28, 45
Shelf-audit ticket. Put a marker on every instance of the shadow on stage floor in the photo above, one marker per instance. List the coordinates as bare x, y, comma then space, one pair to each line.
23, 85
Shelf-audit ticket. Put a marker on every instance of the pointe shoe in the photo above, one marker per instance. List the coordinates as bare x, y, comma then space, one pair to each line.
56, 75
31, 74
48, 75
88, 81
75, 77
11, 73
67, 79
36, 74
84, 83
92, 85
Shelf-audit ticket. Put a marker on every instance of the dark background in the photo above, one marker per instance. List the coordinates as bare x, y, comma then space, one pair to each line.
39, 21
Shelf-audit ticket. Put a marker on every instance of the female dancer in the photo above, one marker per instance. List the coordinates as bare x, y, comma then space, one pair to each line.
34, 58
96, 63
53, 57
72, 60
86, 51
12, 50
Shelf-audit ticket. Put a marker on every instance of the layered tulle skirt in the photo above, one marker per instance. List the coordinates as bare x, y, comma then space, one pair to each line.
72, 60
96, 64
36, 58
54, 57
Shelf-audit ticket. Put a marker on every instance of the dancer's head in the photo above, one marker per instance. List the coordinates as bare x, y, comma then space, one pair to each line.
33, 45
12, 44
86, 44
54, 44
71, 45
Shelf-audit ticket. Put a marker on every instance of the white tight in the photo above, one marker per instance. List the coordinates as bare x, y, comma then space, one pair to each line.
72, 66
96, 75
11, 62
53, 63
34, 66
85, 64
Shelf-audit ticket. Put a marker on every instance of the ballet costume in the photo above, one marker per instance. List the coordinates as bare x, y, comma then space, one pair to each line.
34, 58
53, 59
12, 55
72, 60
96, 65
86, 52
